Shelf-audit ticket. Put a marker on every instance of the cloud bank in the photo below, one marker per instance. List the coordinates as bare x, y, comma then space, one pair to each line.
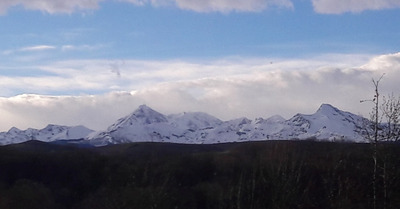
228, 88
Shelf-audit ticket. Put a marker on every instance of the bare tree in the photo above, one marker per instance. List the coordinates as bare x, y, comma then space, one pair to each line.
391, 117
385, 118
373, 138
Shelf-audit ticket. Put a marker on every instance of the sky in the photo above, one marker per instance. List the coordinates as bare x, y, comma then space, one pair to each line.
90, 62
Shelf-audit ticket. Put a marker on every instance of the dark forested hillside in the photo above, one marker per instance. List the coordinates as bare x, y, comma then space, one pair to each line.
271, 174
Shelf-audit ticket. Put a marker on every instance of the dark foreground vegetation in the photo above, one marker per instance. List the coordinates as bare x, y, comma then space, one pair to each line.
272, 174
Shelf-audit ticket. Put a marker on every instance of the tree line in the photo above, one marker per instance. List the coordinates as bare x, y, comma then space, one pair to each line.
252, 175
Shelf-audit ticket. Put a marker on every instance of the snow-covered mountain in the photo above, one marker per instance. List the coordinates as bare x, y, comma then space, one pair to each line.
148, 125
328, 123
48, 134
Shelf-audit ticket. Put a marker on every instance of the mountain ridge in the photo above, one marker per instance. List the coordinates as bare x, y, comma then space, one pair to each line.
147, 125
48, 134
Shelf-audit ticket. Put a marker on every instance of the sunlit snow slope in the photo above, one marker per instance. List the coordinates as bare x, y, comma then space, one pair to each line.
148, 125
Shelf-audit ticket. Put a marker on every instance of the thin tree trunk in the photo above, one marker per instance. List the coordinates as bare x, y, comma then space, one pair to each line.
239, 193
374, 175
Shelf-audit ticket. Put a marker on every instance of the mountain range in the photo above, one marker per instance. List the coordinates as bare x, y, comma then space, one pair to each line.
147, 125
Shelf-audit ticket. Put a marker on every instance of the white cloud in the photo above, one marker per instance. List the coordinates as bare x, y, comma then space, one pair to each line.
62, 6
88, 76
37, 48
84, 47
35, 111
225, 6
50, 6
355, 6
231, 5
227, 88
36, 53
218, 5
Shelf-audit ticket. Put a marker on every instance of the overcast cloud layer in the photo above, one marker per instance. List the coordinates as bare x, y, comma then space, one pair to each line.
320, 6
228, 88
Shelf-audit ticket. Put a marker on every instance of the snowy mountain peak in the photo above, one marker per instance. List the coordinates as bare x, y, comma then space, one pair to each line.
148, 125
13, 130
146, 115
48, 134
193, 120
239, 122
145, 124
144, 108
54, 128
329, 123
142, 115
327, 109
275, 119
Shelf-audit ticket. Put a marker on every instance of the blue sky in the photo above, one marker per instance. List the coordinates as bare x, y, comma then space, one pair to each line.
121, 30
200, 55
